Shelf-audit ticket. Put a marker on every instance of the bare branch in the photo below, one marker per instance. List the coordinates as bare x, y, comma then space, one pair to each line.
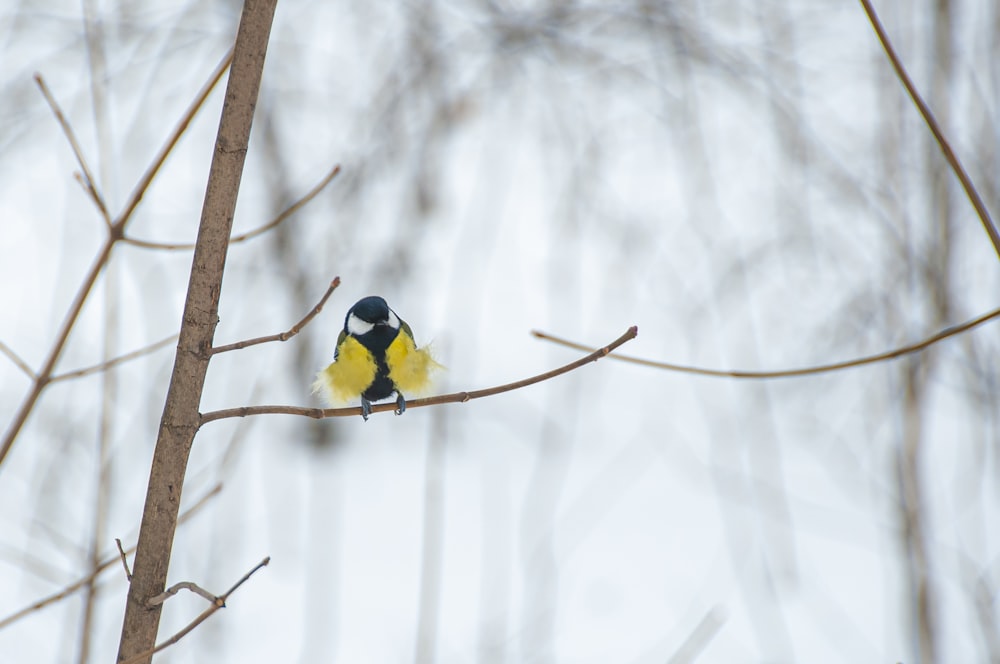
121, 552
115, 361
117, 230
87, 180
932, 124
105, 564
288, 212
16, 359
456, 397
217, 603
176, 588
291, 332
788, 373
175, 136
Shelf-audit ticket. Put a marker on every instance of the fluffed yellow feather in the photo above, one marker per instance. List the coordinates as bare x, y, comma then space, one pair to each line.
410, 368
349, 375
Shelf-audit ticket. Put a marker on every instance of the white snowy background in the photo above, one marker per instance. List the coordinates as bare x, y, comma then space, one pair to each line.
745, 181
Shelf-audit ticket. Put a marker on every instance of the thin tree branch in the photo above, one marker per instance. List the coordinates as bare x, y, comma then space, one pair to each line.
288, 212
147, 178
115, 361
456, 397
788, 373
932, 124
283, 336
16, 359
105, 564
115, 234
87, 178
217, 603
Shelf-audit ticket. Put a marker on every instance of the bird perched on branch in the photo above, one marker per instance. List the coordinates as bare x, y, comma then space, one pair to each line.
375, 356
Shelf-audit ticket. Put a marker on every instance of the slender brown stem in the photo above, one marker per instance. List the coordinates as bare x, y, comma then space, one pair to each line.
932, 124
456, 397
115, 361
87, 181
44, 374
288, 334
16, 359
288, 212
788, 373
116, 231
140, 188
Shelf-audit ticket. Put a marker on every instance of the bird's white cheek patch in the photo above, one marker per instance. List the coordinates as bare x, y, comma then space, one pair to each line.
357, 327
393, 320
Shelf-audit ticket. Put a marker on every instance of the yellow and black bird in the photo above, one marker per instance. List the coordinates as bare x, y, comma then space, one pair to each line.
375, 356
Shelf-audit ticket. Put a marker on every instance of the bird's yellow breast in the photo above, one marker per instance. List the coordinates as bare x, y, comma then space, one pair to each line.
355, 368
409, 367
348, 376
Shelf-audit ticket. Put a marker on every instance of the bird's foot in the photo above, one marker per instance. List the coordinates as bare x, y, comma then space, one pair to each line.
400, 404
366, 408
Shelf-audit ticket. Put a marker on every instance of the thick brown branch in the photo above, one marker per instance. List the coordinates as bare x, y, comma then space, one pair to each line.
789, 373
180, 419
932, 124
456, 397
291, 332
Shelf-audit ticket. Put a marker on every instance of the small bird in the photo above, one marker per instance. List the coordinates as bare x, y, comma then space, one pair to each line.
375, 356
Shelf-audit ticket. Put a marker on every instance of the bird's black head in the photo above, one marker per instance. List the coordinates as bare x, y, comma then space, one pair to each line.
373, 323
371, 309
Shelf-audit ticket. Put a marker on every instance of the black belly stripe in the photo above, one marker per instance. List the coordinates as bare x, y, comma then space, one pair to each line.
381, 387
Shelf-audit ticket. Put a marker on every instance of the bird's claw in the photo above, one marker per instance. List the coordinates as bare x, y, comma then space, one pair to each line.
400, 404
366, 408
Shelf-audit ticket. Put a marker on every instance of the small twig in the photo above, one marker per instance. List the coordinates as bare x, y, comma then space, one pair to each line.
288, 212
288, 334
105, 564
932, 124
103, 366
121, 552
16, 359
787, 373
217, 603
456, 397
176, 588
87, 178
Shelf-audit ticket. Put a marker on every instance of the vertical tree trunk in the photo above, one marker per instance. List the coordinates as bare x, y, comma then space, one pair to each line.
180, 419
